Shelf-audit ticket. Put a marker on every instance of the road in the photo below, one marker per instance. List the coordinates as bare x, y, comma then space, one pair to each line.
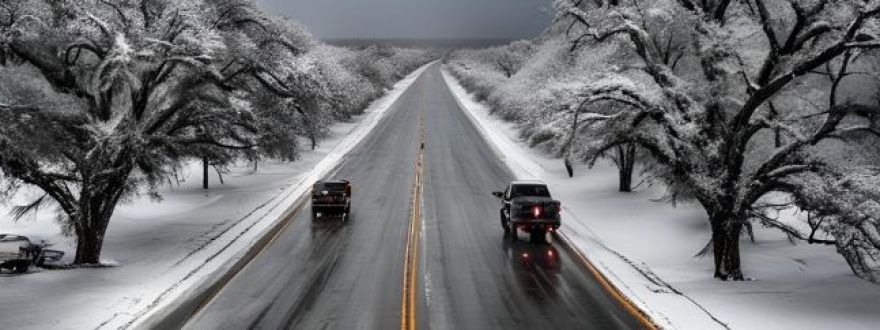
326, 273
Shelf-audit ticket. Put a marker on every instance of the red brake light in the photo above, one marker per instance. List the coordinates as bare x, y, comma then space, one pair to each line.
536, 211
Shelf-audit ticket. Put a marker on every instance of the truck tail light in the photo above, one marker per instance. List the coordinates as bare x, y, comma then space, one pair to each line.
536, 211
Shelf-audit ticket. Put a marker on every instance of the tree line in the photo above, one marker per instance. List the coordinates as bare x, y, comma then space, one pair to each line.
101, 100
748, 107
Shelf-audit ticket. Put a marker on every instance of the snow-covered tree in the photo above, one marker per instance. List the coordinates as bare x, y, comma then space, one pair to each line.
729, 122
510, 58
119, 91
584, 142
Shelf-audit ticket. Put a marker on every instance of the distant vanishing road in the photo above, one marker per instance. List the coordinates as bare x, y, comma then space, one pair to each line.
326, 273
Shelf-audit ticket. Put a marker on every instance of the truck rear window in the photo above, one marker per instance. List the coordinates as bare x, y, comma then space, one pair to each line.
536, 190
329, 186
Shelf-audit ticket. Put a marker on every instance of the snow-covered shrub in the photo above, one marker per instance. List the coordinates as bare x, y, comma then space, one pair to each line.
383, 65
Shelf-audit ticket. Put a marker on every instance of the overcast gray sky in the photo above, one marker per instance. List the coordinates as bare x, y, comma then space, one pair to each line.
416, 18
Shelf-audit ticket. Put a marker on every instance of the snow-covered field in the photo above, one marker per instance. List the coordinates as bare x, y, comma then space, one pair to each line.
645, 247
164, 248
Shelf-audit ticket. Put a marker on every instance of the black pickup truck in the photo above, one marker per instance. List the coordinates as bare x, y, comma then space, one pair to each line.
527, 206
331, 196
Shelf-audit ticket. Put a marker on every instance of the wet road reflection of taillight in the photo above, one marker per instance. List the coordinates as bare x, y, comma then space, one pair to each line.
534, 255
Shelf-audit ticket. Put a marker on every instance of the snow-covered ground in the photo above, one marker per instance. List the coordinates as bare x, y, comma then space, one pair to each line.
165, 248
645, 247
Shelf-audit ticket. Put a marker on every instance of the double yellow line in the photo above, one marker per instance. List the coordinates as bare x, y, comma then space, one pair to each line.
411, 267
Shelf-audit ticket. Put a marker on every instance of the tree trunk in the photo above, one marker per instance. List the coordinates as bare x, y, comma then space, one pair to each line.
204, 172
777, 137
568, 167
625, 179
726, 230
96, 206
88, 247
625, 165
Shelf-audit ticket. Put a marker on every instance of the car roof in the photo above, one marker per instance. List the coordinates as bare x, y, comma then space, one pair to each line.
517, 182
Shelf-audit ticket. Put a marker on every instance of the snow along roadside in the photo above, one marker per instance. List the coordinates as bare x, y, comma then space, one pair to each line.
666, 307
218, 257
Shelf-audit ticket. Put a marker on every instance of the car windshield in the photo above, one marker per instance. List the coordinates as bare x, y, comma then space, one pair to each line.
330, 186
536, 190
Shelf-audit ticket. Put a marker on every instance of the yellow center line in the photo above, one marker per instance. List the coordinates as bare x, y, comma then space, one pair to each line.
410, 267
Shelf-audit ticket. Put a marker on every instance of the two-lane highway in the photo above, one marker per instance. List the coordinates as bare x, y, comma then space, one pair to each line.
333, 274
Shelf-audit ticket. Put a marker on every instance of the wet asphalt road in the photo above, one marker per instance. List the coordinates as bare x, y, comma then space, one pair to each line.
326, 273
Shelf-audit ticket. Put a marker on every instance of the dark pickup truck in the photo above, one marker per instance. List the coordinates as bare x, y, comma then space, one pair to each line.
331, 196
527, 206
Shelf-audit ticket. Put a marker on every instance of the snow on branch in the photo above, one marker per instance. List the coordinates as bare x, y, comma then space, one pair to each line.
614, 93
105, 29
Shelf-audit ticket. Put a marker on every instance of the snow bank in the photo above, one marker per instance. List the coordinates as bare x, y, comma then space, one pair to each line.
166, 248
645, 247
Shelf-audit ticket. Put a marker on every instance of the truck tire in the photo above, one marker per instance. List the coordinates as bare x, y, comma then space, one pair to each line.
504, 224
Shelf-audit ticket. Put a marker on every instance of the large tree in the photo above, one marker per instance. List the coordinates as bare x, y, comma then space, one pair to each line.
112, 94
731, 129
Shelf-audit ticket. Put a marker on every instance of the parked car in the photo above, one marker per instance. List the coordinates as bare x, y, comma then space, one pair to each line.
527, 206
18, 254
331, 197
